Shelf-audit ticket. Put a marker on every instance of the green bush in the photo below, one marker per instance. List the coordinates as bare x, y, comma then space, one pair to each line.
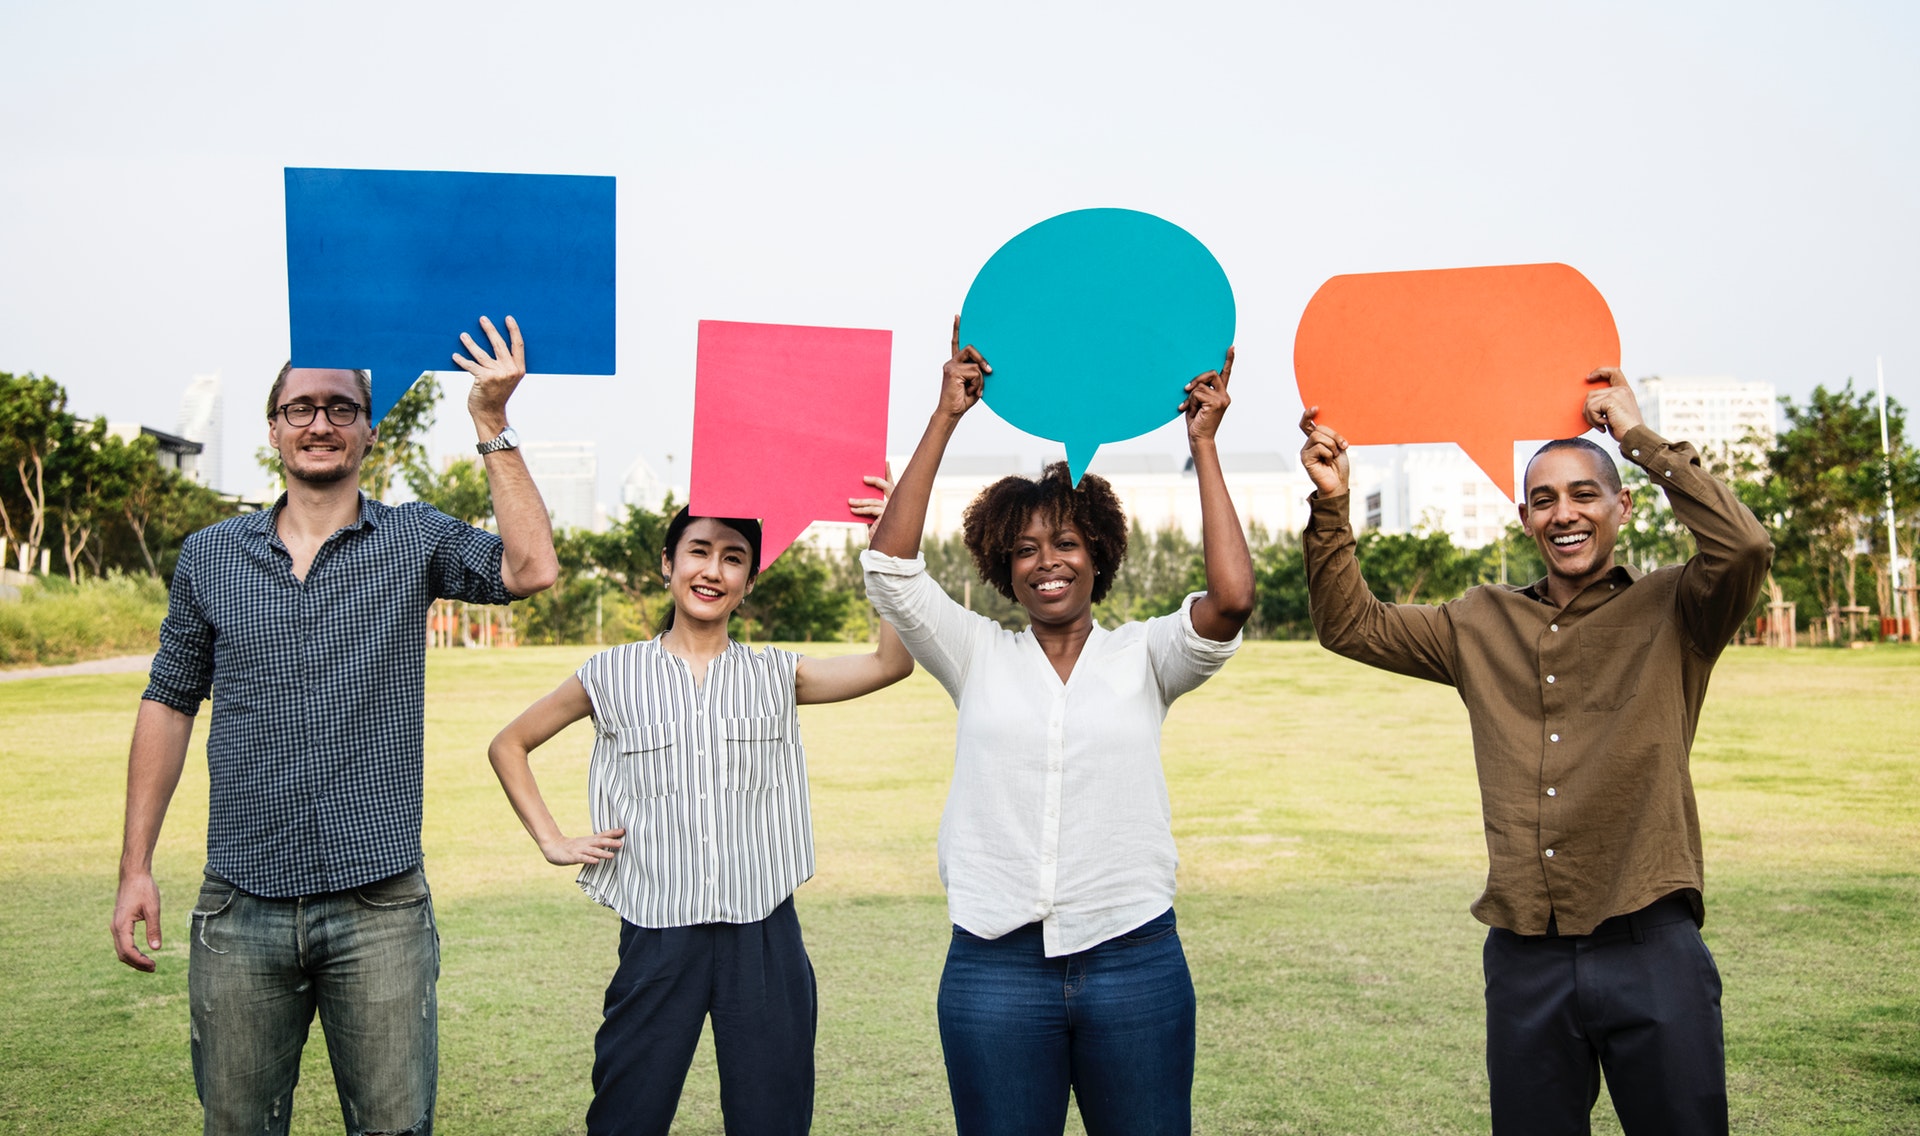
58, 622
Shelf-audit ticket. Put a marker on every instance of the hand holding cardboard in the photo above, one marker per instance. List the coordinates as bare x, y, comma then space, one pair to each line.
1484, 357
787, 423
386, 268
1094, 321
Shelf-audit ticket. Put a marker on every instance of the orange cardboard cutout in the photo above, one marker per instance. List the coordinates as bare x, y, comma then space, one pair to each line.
1484, 357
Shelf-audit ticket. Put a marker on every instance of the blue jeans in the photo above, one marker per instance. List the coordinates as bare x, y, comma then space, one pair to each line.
366, 959
1112, 1024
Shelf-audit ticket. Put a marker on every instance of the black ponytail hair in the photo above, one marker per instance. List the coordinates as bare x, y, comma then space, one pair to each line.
677, 528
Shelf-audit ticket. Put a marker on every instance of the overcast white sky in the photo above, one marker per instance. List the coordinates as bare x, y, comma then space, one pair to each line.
1739, 180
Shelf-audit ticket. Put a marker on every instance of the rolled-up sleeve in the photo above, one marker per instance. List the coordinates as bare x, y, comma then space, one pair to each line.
940, 633
182, 672
1182, 657
465, 561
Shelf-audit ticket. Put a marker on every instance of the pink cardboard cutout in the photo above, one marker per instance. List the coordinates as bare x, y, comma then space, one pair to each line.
1484, 357
786, 422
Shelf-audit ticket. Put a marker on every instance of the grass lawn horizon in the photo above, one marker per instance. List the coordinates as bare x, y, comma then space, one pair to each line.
1330, 842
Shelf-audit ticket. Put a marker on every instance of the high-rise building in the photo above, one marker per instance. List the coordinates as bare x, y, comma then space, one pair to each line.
202, 419
566, 474
1724, 418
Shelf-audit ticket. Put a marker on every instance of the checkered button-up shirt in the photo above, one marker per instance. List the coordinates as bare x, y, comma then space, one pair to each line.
315, 749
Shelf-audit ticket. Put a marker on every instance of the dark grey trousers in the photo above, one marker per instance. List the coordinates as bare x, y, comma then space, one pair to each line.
757, 983
1638, 998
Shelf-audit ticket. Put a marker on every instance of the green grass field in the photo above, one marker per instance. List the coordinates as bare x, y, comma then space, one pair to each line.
1330, 842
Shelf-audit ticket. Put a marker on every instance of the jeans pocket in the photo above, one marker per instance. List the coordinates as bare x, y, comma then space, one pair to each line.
216, 898
408, 889
1152, 931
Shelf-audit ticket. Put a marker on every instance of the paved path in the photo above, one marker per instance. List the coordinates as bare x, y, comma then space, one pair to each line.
123, 664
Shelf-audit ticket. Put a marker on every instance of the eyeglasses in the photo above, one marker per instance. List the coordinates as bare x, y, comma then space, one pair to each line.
301, 413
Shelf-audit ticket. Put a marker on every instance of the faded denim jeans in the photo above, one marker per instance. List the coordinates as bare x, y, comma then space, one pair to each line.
366, 959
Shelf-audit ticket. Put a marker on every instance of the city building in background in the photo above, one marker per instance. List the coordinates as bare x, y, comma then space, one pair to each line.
202, 413
643, 488
565, 473
182, 455
1724, 418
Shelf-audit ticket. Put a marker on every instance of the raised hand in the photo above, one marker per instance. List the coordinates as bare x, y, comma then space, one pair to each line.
1206, 402
1324, 455
963, 378
583, 849
496, 374
1611, 409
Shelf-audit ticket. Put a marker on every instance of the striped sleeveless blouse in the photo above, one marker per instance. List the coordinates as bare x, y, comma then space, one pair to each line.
710, 783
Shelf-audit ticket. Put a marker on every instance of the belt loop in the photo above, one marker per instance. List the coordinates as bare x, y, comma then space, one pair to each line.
1634, 922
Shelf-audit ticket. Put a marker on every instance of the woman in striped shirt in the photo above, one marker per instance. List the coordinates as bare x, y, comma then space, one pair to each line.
1064, 973
698, 795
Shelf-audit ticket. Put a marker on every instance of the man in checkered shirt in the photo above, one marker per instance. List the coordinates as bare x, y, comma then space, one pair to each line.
307, 624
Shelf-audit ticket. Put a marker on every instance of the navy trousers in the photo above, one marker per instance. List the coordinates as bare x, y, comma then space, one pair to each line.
757, 983
1638, 998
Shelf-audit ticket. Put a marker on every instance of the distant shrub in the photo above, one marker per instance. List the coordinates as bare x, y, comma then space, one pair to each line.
57, 622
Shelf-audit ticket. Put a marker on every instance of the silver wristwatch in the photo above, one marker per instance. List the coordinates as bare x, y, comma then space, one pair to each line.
508, 439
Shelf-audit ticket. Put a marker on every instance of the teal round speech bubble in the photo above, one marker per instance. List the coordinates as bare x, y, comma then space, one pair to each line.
1094, 321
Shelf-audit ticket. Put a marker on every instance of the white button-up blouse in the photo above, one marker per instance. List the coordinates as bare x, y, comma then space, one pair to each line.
1058, 812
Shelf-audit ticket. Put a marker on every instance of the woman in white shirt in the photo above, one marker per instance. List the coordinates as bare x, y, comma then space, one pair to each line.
698, 790
1065, 973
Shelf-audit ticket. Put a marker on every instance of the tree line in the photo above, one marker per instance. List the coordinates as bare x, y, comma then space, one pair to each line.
101, 505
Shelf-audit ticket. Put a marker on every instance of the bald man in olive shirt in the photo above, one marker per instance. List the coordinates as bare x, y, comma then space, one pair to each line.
1583, 691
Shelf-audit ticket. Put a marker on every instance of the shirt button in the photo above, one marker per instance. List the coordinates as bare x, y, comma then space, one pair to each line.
1669, 473
1553, 627
1549, 853
1636, 453
1040, 909
1549, 678
1551, 792
1553, 737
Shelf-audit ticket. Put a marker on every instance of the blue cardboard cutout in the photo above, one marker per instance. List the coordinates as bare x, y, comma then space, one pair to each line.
385, 269
1093, 322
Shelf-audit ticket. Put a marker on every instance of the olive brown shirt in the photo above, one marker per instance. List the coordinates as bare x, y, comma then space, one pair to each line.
1583, 716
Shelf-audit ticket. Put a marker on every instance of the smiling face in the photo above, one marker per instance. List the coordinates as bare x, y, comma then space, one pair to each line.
1573, 513
321, 453
709, 573
1053, 571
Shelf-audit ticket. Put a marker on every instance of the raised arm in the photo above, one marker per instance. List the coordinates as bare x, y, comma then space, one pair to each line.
961, 381
1220, 613
1724, 578
1348, 619
528, 564
539, 722
850, 676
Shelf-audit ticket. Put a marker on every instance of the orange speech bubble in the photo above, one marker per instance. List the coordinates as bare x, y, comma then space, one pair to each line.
1484, 357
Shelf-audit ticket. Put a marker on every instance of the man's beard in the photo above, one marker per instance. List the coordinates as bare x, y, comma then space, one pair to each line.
327, 476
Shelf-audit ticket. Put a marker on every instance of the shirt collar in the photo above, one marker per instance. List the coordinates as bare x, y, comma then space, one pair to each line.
265, 522
1619, 574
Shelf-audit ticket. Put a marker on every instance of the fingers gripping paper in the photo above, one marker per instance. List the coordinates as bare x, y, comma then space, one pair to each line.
1484, 357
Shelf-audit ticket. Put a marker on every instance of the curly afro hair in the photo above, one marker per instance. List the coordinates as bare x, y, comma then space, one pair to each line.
995, 519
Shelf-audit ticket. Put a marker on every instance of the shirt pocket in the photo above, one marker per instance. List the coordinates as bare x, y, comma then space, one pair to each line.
647, 760
1612, 660
755, 750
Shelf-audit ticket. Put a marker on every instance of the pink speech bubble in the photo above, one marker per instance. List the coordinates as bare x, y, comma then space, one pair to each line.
1484, 357
786, 422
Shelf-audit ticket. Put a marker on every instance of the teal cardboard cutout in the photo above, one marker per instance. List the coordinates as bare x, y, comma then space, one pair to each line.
1094, 321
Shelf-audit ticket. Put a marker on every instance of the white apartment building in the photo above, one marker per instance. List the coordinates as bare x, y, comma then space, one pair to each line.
1716, 414
202, 419
566, 473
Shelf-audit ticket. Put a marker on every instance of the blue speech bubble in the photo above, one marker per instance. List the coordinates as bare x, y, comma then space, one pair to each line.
1094, 321
385, 269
